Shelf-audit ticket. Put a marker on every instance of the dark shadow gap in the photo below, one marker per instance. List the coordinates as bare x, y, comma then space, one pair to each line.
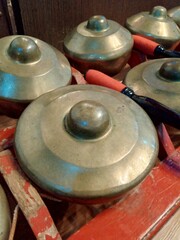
17, 16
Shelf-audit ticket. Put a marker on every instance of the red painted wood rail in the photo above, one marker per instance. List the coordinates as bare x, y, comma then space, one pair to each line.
28, 199
7, 130
141, 214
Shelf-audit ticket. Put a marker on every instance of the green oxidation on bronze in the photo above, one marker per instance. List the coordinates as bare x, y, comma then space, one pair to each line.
170, 70
87, 120
159, 12
85, 143
29, 68
5, 219
174, 13
155, 25
97, 23
24, 50
98, 43
158, 79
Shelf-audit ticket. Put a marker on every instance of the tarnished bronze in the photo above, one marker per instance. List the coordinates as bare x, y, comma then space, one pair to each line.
85, 143
5, 218
29, 68
100, 44
87, 120
174, 13
155, 25
158, 79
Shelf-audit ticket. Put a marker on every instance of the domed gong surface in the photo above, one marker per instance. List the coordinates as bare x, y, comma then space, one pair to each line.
98, 43
85, 143
29, 68
155, 25
158, 79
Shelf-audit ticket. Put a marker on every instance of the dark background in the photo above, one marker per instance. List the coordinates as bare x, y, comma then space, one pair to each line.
51, 20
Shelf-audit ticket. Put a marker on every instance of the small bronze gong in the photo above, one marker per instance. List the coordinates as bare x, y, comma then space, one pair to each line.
30, 67
98, 43
155, 25
158, 79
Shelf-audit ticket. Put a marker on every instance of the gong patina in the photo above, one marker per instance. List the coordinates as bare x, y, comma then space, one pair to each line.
158, 79
98, 43
29, 68
174, 13
155, 25
85, 143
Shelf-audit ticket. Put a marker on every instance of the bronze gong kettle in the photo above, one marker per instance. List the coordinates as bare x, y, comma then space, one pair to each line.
85, 143
98, 43
29, 68
155, 25
158, 79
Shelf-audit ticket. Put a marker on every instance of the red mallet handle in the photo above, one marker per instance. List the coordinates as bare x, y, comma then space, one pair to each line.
98, 78
144, 45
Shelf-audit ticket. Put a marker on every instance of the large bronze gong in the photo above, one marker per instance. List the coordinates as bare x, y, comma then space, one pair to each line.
85, 143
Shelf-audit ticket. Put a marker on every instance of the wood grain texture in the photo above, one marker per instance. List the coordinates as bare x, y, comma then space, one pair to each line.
4, 24
52, 20
171, 230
